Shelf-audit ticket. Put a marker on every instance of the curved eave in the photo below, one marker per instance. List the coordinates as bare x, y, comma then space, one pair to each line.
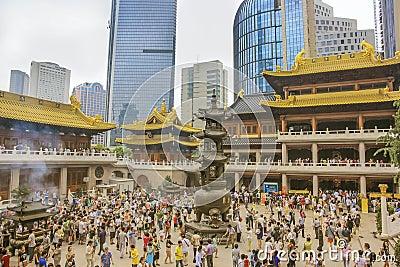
149, 127
35, 110
141, 142
316, 69
332, 99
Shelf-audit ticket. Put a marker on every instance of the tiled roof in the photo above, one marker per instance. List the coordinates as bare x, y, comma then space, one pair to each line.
251, 103
30, 109
337, 98
160, 120
350, 61
156, 139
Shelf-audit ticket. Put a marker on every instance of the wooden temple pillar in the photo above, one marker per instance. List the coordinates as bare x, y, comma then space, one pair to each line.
286, 91
360, 121
389, 83
314, 123
283, 123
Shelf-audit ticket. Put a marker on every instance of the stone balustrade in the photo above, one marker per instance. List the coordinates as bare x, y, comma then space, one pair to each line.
342, 135
314, 168
20, 156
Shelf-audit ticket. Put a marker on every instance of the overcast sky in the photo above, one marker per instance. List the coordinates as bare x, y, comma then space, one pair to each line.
73, 33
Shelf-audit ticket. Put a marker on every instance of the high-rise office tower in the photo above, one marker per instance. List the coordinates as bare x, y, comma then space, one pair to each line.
49, 81
93, 102
337, 35
387, 26
142, 43
19, 82
198, 85
269, 33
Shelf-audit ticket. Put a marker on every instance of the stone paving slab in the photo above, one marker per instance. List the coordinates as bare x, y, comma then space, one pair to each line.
224, 259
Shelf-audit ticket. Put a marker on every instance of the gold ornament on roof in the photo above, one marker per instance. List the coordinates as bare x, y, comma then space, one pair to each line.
397, 53
300, 60
241, 93
98, 118
369, 48
278, 98
74, 103
278, 68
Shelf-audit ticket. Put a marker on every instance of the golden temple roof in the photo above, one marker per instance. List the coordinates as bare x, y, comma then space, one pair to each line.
351, 61
31, 109
157, 139
160, 120
337, 98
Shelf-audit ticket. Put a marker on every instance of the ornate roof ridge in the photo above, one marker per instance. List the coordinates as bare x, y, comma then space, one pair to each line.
363, 59
17, 107
335, 98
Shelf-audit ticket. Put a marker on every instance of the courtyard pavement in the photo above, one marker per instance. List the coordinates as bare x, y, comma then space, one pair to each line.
224, 254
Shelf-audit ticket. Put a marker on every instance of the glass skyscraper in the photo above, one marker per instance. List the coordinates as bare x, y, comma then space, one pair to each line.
141, 45
387, 26
269, 33
92, 97
19, 82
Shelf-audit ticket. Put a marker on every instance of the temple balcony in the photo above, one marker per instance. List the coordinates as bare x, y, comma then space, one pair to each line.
183, 165
332, 135
378, 169
54, 157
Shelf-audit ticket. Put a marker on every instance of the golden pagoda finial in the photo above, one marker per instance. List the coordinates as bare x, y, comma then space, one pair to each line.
164, 106
369, 48
241, 93
74, 103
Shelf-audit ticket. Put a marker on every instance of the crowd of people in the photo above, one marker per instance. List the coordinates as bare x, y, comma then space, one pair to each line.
150, 230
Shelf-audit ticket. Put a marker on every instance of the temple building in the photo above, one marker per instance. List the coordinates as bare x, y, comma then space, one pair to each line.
45, 145
160, 138
329, 113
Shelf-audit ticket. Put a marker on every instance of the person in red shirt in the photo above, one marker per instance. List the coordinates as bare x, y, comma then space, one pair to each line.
5, 259
246, 262
146, 239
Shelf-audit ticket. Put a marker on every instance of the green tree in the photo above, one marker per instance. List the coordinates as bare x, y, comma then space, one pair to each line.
122, 152
100, 147
21, 193
392, 141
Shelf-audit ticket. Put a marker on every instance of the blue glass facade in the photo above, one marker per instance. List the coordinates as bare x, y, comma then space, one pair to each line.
267, 33
257, 40
294, 27
142, 43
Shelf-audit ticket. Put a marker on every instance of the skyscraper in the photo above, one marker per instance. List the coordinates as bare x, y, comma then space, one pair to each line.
93, 102
198, 84
142, 43
269, 33
49, 81
19, 82
337, 35
387, 26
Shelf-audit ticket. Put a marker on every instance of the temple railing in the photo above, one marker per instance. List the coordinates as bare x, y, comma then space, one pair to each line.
53, 155
314, 168
342, 135
178, 164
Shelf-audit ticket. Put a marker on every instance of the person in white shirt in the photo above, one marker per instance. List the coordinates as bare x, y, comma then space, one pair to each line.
185, 249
